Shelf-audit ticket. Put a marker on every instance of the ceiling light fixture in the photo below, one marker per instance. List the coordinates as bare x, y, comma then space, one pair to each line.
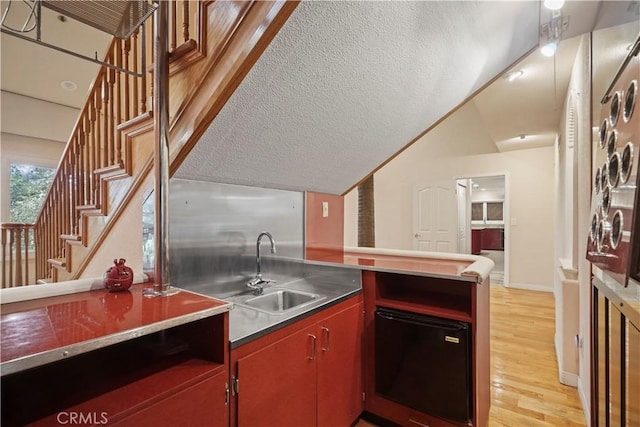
553, 4
513, 75
551, 33
68, 85
549, 49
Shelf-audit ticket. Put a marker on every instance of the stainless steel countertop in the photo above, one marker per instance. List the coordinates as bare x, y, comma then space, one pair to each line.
330, 284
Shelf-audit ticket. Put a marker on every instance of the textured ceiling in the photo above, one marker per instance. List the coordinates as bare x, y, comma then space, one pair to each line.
345, 85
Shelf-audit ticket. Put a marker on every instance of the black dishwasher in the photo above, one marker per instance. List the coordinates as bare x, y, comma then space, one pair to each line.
424, 362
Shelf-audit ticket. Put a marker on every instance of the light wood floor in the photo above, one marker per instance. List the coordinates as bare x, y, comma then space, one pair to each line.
525, 390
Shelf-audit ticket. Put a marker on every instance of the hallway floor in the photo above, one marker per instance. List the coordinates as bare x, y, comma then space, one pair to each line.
497, 274
525, 390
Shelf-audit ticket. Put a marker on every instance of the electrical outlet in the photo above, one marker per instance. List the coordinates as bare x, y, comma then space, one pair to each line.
325, 209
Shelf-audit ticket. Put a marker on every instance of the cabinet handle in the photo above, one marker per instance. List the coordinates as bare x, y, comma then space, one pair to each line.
313, 347
325, 332
226, 394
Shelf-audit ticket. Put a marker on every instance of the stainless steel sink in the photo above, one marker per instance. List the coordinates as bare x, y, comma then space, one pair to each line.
281, 301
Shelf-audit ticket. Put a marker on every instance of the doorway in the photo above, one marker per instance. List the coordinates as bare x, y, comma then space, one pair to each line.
487, 201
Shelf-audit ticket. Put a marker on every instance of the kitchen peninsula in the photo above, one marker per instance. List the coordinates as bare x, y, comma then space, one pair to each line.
138, 359
323, 367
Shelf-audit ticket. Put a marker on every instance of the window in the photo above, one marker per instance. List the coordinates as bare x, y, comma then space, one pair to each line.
28, 186
487, 212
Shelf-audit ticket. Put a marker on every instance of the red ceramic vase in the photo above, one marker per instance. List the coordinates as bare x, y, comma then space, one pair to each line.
119, 277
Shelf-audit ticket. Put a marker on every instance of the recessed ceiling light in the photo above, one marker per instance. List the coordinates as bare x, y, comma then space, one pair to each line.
475, 186
523, 136
512, 75
483, 189
553, 4
68, 85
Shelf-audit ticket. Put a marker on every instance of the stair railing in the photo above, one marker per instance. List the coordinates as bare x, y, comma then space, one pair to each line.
17, 270
95, 149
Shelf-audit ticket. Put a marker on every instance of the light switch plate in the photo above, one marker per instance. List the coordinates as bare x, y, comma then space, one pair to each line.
325, 209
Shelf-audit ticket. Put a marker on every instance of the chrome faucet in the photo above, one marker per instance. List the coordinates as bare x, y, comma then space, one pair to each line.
258, 283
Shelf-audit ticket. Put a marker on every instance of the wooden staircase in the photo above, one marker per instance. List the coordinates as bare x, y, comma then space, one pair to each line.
105, 170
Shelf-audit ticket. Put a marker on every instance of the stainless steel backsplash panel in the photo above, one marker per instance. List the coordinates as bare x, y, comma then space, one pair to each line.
213, 229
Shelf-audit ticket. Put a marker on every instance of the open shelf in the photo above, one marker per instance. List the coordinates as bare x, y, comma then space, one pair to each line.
430, 310
117, 380
438, 297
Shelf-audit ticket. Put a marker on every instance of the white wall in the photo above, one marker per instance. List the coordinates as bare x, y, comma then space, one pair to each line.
22, 115
581, 76
531, 181
487, 196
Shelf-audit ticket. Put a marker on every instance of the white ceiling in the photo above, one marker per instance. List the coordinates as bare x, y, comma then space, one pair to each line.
33, 102
347, 84
36, 71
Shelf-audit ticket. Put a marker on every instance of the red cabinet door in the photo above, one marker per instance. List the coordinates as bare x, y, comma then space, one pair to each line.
203, 404
340, 368
278, 383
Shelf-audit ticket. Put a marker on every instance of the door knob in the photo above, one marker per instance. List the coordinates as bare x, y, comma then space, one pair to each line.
416, 235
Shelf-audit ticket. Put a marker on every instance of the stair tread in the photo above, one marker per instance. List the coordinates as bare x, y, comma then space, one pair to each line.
76, 237
57, 262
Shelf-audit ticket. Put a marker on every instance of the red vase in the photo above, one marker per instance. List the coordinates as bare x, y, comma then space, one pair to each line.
119, 277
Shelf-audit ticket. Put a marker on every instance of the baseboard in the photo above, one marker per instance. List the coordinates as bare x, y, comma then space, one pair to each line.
530, 287
566, 378
586, 403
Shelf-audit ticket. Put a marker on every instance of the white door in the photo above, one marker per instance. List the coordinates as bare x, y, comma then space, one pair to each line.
434, 217
464, 246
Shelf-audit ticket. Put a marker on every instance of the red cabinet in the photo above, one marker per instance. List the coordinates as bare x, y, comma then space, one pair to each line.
487, 238
340, 370
203, 404
306, 374
277, 383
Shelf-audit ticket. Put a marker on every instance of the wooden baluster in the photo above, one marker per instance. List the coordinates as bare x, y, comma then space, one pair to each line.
143, 70
112, 113
59, 204
27, 233
128, 96
105, 122
69, 189
185, 20
49, 235
91, 144
173, 24
97, 148
118, 103
18, 240
77, 184
36, 248
135, 48
3, 241
86, 150
10, 258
